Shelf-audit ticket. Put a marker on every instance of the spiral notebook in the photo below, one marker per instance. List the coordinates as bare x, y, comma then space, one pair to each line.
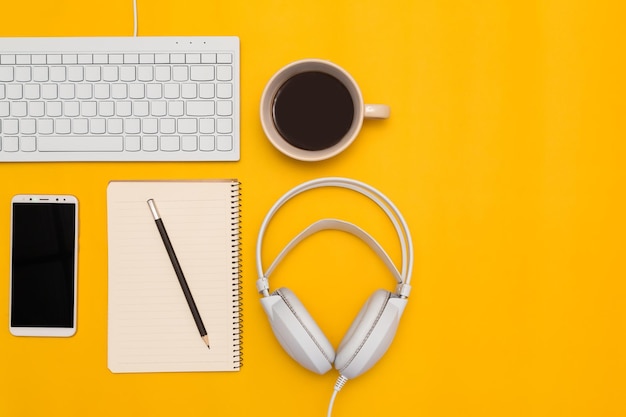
150, 327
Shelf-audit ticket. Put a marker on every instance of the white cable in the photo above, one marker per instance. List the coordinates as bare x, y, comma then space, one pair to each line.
341, 381
134, 17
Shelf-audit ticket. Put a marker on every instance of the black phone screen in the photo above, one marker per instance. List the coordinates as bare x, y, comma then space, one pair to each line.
42, 265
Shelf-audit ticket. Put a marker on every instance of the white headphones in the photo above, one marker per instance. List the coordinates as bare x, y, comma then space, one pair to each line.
372, 331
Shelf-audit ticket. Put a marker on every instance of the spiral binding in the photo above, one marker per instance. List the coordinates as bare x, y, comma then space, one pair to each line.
236, 275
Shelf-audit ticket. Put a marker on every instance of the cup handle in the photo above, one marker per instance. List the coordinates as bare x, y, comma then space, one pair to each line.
376, 111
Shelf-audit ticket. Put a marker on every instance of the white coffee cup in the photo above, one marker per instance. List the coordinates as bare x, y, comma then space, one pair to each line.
313, 109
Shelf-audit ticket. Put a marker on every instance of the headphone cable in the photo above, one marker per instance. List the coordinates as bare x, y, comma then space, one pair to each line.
341, 381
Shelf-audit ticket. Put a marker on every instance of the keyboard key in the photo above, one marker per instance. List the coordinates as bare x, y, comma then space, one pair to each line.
28, 144
127, 73
57, 74
84, 91
22, 74
131, 58
141, 108
224, 108
7, 59
115, 126
150, 125
75, 73
162, 73
208, 58
146, 58
159, 108
92, 73
53, 59
200, 108
177, 58
116, 59
71, 108
45, 126
207, 143
80, 126
36, 109
39, 59
69, 59
207, 125
192, 58
170, 143
162, 58
49, 91
168, 125
132, 126
4, 109
188, 90
175, 108
40, 74
224, 90
62, 126
224, 58
10, 144
18, 109
88, 108
206, 90
149, 143
6, 74
187, 126
145, 73
97, 126
171, 90
100, 59
154, 91
224, 73
119, 90
14, 91
22, 59
31, 91
136, 90
106, 108
224, 143
67, 91
189, 143
27, 126
85, 58
80, 144
132, 143
224, 126
123, 108
110, 73
202, 73
54, 108
180, 73
10, 126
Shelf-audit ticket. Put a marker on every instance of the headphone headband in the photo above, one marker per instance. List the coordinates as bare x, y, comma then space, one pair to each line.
373, 194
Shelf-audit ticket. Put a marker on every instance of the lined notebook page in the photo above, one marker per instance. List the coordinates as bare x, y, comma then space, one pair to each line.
150, 327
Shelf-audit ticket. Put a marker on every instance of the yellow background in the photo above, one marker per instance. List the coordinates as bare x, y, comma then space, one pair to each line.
505, 151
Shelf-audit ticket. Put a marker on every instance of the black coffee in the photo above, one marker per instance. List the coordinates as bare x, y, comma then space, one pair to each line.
313, 110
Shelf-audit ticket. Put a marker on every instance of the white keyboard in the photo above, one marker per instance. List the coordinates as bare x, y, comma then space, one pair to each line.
119, 99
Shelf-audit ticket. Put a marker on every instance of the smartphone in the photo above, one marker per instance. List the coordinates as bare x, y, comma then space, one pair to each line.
43, 267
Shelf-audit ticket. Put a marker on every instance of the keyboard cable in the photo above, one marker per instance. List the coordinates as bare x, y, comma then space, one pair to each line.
134, 17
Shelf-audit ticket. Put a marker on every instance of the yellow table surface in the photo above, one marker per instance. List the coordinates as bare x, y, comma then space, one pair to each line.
505, 150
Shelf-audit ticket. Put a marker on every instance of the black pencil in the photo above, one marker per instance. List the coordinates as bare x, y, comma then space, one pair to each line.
179, 272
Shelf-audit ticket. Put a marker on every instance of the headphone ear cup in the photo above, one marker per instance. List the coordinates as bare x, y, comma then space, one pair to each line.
297, 332
370, 334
